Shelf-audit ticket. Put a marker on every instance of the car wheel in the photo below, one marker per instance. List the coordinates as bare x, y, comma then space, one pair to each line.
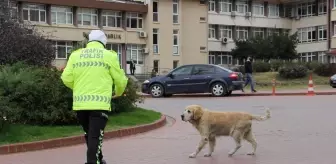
228, 93
334, 86
218, 89
156, 90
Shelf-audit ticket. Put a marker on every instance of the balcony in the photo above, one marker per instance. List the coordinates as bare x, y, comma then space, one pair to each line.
251, 21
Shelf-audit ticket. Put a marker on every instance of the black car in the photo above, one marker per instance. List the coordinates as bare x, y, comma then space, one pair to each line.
333, 81
195, 78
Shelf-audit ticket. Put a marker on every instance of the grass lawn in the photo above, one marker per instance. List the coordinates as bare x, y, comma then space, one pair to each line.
28, 133
264, 81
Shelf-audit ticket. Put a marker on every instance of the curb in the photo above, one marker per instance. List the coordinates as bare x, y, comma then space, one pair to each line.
247, 94
74, 140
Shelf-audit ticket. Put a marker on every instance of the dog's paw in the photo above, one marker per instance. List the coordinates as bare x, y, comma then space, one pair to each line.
207, 155
192, 155
251, 153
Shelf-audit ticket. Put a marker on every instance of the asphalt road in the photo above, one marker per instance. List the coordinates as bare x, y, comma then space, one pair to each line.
301, 131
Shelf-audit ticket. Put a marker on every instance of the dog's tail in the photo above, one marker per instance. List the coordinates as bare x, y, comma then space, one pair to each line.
262, 118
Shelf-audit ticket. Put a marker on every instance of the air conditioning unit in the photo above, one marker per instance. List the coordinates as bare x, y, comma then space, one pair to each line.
142, 34
224, 40
145, 50
248, 14
233, 13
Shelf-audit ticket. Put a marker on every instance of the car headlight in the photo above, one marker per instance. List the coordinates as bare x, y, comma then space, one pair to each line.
146, 81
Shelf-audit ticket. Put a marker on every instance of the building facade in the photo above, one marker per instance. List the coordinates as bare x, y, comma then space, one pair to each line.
242, 19
154, 34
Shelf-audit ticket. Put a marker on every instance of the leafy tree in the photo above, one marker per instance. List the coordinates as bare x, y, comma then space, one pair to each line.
280, 46
21, 41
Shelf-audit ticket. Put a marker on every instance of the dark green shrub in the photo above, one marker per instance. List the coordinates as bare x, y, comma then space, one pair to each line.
129, 100
312, 65
260, 66
240, 68
276, 64
293, 71
327, 69
36, 95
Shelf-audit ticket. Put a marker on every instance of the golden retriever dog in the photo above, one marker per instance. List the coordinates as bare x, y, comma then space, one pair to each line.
211, 124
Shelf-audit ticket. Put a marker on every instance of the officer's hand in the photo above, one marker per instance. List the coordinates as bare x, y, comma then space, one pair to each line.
115, 96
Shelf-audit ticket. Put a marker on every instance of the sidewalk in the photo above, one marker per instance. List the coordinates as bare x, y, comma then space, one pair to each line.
290, 92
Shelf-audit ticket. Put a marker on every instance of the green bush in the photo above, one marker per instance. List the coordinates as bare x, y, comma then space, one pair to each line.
238, 69
37, 96
276, 64
312, 65
260, 66
293, 71
327, 69
129, 100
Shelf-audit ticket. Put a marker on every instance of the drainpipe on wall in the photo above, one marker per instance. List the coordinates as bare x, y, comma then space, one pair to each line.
329, 4
329, 27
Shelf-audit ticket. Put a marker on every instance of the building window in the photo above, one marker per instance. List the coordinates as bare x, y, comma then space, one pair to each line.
220, 58
212, 31
322, 33
308, 56
242, 33
273, 10
334, 3
307, 34
258, 9
155, 41
272, 31
117, 48
241, 7
322, 57
225, 6
61, 15
87, 17
258, 32
212, 5
175, 11
175, 42
322, 7
34, 12
63, 49
13, 9
225, 31
135, 52
155, 11
334, 23
111, 18
156, 65
305, 9
134, 20
175, 64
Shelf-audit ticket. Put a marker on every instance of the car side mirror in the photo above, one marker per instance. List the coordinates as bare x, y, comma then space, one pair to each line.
170, 75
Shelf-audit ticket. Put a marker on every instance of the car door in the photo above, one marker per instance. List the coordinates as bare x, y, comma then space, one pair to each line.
201, 77
179, 80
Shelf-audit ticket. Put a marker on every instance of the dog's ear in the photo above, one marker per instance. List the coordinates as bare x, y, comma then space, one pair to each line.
198, 112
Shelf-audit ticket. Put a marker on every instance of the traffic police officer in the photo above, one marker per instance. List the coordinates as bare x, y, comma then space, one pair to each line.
91, 73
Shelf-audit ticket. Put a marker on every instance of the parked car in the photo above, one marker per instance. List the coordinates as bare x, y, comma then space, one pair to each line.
333, 81
195, 78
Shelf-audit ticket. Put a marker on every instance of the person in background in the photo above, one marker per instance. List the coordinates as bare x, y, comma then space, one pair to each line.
132, 67
90, 73
153, 73
248, 74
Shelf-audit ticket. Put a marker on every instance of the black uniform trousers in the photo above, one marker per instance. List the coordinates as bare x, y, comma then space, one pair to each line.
93, 123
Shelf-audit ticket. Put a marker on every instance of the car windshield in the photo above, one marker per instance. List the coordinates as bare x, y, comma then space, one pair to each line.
225, 69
